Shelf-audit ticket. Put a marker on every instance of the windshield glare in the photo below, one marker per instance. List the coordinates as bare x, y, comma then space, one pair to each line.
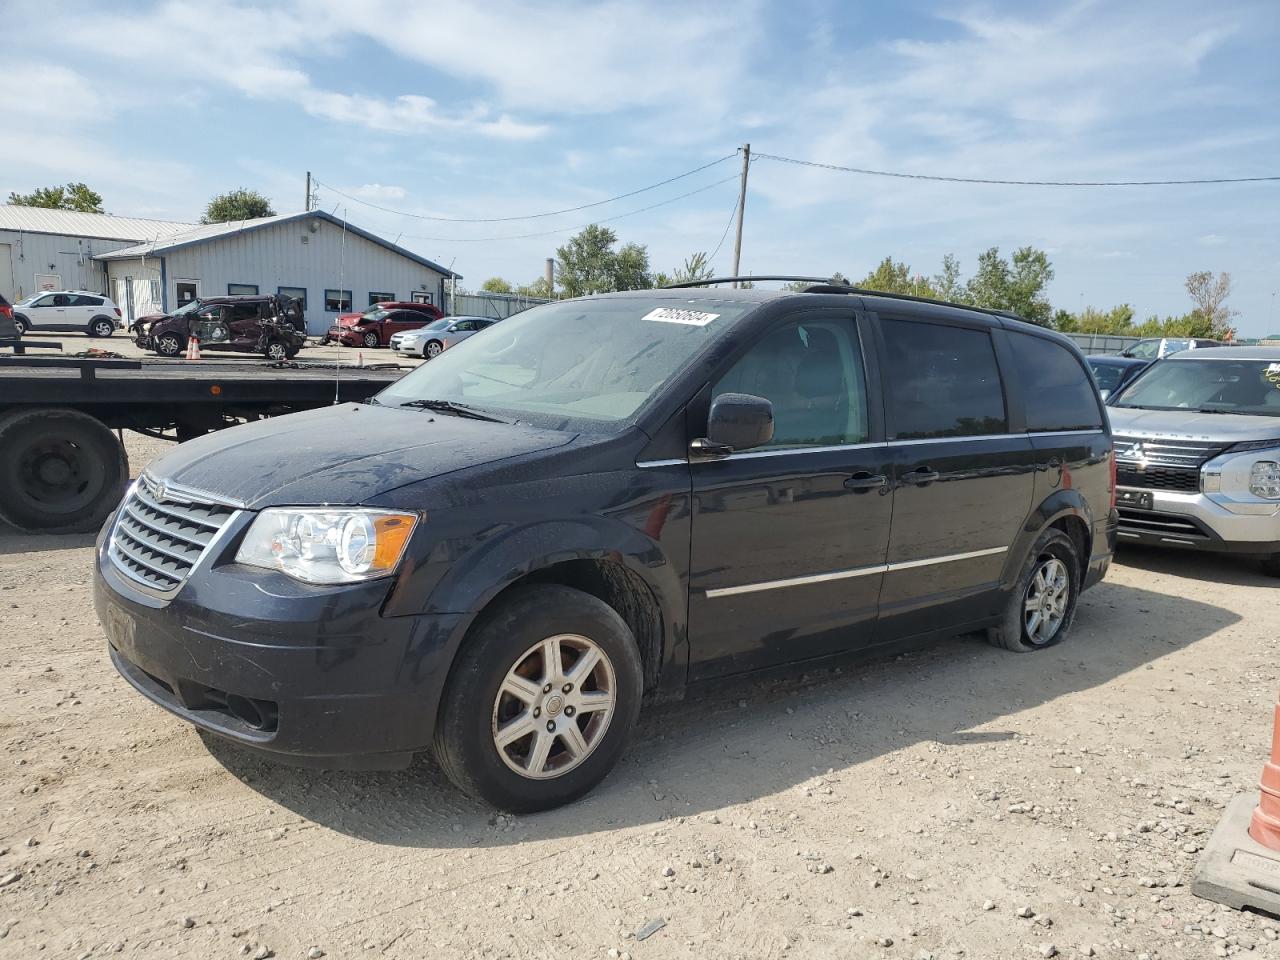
191, 307
1217, 386
596, 361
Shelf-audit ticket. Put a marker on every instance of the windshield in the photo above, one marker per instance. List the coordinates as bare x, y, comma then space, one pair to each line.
437, 324
373, 314
1108, 375
191, 307
595, 362
1208, 386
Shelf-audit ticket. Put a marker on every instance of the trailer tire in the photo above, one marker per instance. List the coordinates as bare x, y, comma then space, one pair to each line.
62, 471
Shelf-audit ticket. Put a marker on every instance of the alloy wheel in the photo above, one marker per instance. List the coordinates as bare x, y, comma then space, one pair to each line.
554, 706
370, 339
167, 345
434, 349
103, 328
1045, 603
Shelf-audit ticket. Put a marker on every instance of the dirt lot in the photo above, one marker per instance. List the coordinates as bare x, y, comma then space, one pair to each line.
909, 808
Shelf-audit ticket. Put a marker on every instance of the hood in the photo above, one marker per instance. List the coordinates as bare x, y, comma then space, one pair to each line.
346, 454
1191, 425
348, 319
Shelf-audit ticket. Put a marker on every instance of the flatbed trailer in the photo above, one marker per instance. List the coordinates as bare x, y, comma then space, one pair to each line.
62, 469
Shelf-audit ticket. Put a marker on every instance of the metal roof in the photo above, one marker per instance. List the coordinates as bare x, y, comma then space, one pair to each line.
214, 231
73, 223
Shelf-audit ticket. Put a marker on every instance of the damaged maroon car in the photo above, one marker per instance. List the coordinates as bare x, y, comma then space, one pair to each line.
268, 324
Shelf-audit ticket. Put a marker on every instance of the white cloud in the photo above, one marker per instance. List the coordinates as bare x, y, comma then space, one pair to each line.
257, 52
378, 191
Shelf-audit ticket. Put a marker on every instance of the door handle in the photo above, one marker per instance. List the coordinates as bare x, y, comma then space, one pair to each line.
920, 476
863, 481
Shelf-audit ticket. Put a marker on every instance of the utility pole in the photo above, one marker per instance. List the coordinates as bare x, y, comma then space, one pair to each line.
742, 208
307, 208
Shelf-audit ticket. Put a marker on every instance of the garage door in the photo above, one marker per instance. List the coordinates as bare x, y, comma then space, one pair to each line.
6, 272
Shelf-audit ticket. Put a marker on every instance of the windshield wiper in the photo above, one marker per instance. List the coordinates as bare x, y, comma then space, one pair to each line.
457, 409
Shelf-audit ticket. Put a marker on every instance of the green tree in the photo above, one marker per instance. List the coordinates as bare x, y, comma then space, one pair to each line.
947, 282
589, 264
896, 277
695, 267
496, 285
1018, 286
1209, 294
73, 196
241, 204
538, 288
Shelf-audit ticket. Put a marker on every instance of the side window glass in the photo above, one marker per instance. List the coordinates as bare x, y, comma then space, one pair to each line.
812, 373
942, 381
61, 300
1057, 392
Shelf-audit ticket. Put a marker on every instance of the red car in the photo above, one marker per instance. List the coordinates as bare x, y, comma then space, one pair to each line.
374, 327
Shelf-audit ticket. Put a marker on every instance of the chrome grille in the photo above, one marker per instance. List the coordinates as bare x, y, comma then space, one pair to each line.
159, 536
1162, 463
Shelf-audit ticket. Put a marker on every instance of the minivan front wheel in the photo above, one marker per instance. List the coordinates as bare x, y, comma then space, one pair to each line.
1042, 604
541, 700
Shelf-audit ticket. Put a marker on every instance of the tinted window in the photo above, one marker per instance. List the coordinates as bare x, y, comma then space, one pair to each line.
1056, 390
812, 373
244, 311
61, 300
942, 381
1108, 375
80, 300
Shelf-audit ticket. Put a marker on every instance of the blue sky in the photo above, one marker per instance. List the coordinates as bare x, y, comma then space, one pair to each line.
497, 109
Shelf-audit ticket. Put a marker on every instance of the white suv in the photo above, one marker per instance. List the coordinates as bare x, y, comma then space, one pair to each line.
67, 310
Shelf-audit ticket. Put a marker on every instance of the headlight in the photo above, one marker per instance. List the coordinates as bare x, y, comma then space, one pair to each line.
1264, 480
323, 545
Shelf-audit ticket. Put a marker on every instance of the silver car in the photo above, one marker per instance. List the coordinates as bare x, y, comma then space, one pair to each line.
433, 339
1197, 453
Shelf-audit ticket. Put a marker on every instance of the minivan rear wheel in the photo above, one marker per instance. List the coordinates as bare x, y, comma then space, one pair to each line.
1042, 604
541, 700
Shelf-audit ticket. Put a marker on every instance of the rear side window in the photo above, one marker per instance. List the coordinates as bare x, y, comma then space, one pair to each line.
1057, 391
942, 381
81, 300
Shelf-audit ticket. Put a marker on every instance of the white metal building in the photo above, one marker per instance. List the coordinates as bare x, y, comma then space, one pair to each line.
43, 249
333, 266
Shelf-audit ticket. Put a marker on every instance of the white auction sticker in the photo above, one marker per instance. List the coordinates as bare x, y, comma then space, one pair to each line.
691, 318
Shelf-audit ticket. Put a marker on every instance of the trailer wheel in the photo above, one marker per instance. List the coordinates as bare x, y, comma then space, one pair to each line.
62, 471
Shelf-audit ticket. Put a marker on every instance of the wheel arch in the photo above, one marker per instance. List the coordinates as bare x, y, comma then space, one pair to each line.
611, 561
1066, 510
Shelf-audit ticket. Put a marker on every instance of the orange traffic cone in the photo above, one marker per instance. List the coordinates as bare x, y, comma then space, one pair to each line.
1264, 825
193, 349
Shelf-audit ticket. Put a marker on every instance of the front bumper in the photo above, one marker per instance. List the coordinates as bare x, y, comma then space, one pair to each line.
313, 676
1196, 521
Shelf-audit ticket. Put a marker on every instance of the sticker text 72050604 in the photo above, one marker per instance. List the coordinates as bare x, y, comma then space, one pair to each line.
692, 318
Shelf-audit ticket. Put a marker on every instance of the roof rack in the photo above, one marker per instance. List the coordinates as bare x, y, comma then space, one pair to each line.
827, 285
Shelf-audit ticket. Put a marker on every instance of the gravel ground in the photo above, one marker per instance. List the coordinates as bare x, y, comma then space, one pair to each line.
954, 801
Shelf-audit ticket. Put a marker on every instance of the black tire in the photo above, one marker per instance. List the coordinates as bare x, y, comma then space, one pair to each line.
168, 345
1271, 566
277, 350
62, 471
1012, 634
22, 323
370, 339
432, 349
464, 735
101, 327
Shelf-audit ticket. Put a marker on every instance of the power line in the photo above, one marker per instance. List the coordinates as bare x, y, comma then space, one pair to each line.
733, 214
1016, 183
529, 216
548, 233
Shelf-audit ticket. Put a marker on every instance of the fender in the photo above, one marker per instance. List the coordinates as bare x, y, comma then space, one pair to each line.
469, 583
1066, 502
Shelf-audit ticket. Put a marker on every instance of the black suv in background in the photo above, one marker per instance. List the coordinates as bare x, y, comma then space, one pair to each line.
604, 499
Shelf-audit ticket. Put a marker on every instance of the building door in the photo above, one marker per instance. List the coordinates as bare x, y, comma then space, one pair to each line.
127, 306
6, 273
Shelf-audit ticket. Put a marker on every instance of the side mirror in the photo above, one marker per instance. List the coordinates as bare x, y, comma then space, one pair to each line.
738, 421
